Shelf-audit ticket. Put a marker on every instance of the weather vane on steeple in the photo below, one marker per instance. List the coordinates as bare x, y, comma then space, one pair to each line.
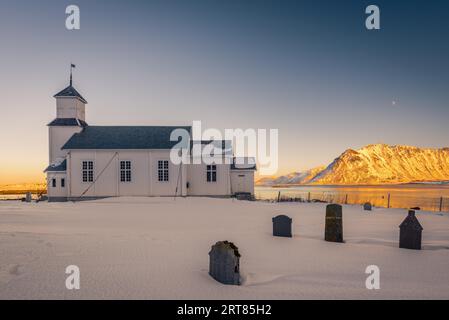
71, 67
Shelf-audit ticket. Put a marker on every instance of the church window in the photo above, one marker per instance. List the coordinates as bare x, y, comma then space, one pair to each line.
125, 171
162, 170
88, 171
211, 173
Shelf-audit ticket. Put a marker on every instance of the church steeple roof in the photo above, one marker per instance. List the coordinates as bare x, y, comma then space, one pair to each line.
70, 91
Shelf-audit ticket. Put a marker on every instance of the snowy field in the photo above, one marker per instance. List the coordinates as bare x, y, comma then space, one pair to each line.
157, 248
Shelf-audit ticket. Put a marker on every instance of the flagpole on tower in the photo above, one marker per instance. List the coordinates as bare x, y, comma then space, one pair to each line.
71, 67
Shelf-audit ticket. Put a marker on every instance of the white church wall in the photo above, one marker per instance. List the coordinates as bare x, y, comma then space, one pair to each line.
164, 188
106, 173
70, 108
242, 181
105, 176
140, 171
144, 173
77, 186
58, 136
198, 185
57, 191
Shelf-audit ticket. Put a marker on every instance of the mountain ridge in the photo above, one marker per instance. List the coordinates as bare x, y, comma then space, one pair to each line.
376, 164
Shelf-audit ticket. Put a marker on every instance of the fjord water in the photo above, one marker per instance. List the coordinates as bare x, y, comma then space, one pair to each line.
425, 196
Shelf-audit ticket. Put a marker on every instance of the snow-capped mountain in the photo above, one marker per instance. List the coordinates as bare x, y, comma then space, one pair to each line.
304, 177
382, 164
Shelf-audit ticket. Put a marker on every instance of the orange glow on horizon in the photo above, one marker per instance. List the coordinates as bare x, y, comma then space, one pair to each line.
20, 174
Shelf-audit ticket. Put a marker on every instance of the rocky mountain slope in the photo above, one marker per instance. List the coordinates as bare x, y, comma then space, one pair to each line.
304, 177
378, 164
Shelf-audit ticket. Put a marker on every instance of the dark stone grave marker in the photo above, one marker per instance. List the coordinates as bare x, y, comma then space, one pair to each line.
410, 232
224, 263
334, 223
282, 226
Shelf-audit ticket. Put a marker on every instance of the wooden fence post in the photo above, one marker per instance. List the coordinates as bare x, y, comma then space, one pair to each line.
389, 197
441, 204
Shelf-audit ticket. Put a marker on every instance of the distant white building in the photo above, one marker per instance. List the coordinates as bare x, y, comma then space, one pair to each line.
88, 162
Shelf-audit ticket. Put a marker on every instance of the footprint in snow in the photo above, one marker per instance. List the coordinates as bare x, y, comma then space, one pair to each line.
15, 269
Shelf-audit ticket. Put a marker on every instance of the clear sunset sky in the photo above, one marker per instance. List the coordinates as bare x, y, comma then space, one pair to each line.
308, 68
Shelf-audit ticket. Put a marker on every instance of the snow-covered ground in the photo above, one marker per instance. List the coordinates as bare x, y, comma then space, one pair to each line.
157, 248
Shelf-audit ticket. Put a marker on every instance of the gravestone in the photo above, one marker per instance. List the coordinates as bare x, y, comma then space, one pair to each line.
282, 226
410, 232
28, 197
224, 263
243, 196
367, 206
334, 223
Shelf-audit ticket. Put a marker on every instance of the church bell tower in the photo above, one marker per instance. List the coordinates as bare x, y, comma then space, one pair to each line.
70, 119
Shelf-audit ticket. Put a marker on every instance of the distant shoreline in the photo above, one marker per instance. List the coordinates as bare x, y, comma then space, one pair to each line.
19, 192
429, 183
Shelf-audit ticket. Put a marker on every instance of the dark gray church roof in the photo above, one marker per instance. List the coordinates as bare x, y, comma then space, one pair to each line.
123, 137
224, 145
68, 122
70, 92
57, 168
244, 163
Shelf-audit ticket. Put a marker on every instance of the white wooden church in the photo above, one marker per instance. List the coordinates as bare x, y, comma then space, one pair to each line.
89, 162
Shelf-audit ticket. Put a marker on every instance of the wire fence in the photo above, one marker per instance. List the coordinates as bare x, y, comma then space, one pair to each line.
19, 196
387, 200
384, 200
